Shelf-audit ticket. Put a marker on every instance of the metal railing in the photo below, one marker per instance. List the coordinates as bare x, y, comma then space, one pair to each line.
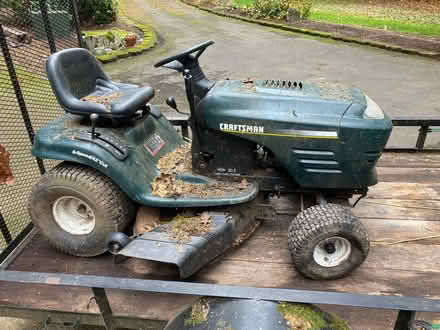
425, 127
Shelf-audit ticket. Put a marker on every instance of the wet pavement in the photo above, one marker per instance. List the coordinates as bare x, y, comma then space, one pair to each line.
402, 85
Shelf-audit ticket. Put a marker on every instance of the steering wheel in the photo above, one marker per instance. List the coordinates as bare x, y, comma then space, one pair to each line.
186, 54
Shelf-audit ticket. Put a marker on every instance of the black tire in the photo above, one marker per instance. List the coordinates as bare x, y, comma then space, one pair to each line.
111, 209
312, 227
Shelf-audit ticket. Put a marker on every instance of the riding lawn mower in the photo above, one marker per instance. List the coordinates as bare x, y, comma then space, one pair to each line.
251, 142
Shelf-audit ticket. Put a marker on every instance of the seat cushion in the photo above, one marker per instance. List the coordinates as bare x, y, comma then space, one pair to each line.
116, 100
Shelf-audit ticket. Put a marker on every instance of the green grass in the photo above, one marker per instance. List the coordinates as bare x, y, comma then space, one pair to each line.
388, 24
403, 21
242, 3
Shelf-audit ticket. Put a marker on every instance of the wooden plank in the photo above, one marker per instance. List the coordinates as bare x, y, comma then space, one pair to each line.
378, 230
403, 174
419, 209
364, 319
409, 160
242, 266
45, 297
146, 305
404, 190
415, 257
364, 280
397, 209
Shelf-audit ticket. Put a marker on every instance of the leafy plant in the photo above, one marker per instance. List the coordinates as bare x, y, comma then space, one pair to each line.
279, 9
98, 11
304, 8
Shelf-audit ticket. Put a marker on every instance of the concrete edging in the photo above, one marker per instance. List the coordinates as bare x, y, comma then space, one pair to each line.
319, 33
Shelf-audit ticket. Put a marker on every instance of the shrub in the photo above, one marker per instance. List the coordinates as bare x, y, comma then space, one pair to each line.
98, 11
279, 9
304, 8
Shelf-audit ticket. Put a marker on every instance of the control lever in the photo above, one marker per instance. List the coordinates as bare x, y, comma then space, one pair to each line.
171, 102
94, 118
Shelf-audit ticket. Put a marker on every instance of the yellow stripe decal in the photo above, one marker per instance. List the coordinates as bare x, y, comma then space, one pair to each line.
286, 135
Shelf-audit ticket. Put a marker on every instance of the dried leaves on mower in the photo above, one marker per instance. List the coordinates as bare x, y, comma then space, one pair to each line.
179, 161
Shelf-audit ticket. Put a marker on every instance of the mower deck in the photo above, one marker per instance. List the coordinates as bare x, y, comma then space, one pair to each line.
191, 254
402, 207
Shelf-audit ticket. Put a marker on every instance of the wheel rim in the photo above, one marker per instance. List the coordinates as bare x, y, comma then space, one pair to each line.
332, 251
73, 215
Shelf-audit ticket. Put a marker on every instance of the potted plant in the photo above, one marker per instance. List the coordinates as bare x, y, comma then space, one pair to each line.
130, 40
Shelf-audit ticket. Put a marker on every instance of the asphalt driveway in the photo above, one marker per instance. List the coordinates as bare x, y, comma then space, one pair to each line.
403, 85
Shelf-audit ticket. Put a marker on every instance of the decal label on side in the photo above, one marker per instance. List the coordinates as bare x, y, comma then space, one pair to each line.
90, 157
154, 144
241, 128
290, 133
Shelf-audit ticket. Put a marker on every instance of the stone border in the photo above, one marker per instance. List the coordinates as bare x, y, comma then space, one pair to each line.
149, 42
333, 36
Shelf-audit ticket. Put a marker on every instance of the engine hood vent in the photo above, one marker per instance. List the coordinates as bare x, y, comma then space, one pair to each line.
281, 84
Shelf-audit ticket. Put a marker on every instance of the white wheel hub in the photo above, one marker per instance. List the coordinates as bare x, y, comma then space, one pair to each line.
73, 215
332, 251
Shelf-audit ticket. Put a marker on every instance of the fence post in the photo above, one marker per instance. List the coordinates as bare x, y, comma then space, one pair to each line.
47, 26
423, 132
77, 23
4, 229
19, 95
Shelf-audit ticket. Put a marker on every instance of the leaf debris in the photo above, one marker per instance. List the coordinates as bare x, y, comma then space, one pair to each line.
105, 99
184, 226
179, 161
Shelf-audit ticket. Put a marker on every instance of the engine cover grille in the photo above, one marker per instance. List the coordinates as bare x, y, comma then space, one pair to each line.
282, 84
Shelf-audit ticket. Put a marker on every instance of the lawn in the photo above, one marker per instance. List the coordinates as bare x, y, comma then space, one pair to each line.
417, 17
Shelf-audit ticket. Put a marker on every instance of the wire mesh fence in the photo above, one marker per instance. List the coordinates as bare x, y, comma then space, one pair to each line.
30, 30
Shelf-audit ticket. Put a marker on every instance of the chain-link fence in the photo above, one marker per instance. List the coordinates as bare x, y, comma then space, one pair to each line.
30, 30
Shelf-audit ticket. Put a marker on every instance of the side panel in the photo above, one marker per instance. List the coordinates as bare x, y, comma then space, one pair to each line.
134, 174
147, 142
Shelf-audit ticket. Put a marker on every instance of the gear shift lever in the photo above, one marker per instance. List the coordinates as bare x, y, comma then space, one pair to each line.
94, 118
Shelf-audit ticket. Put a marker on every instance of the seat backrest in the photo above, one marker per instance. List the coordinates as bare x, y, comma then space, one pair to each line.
73, 73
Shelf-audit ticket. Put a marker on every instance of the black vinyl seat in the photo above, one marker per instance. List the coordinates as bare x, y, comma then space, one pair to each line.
82, 88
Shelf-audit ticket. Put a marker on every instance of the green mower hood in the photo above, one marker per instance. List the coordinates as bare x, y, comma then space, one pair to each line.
325, 135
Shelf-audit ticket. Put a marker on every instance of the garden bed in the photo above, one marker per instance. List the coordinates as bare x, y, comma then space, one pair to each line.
144, 35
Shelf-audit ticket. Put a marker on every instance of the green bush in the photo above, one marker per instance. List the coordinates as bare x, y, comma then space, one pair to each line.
98, 11
269, 9
304, 8
279, 9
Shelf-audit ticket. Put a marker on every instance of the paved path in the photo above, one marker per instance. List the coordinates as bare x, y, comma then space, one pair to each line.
403, 85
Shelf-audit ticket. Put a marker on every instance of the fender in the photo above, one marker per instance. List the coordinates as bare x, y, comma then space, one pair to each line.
146, 142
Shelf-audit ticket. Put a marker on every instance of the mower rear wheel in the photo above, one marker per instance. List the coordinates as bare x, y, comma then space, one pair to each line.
327, 241
76, 207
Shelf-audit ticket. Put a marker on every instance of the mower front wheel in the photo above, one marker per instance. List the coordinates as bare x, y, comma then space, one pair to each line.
327, 241
76, 208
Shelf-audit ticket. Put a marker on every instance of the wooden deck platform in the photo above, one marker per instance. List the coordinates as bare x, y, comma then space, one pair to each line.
405, 205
